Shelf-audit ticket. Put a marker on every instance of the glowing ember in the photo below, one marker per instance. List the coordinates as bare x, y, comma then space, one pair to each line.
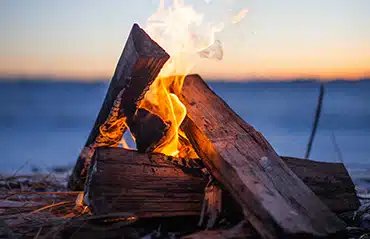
120, 219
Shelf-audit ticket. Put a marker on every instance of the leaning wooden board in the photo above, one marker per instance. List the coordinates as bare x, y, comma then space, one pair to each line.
139, 65
275, 201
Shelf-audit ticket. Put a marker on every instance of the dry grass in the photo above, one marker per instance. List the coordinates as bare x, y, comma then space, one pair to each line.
40, 206
32, 206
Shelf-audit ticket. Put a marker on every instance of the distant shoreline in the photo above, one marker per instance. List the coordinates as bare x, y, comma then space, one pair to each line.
88, 81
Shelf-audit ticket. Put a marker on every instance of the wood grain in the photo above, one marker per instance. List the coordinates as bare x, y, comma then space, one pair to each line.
148, 185
329, 181
156, 175
274, 200
140, 63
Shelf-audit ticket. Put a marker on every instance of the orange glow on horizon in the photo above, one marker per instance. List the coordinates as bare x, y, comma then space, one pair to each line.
260, 39
102, 68
346, 74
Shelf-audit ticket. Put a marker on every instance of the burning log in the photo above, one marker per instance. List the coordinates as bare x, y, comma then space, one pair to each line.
144, 184
138, 66
274, 200
148, 185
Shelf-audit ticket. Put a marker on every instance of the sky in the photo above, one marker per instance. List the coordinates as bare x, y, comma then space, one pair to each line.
277, 39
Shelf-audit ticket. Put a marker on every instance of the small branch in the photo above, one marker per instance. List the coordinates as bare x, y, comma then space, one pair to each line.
40, 193
50, 206
336, 148
316, 122
38, 233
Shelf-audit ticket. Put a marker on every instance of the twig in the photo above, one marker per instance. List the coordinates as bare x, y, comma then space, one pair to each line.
38, 233
14, 174
336, 148
316, 121
40, 193
50, 206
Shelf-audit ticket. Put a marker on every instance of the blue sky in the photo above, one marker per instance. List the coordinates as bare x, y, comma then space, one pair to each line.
277, 39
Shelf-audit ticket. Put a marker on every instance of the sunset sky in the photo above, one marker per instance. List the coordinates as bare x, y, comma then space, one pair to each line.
277, 39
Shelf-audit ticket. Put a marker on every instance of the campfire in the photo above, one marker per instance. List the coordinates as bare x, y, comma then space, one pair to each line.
195, 159
193, 150
191, 147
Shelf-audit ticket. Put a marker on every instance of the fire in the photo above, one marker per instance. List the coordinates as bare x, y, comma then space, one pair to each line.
179, 30
161, 101
182, 32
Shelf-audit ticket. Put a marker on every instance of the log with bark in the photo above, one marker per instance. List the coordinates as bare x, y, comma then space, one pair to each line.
274, 200
329, 181
138, 66
145, 184
148, 185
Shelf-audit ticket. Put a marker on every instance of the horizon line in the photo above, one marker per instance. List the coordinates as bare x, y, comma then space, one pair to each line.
103, 79
248, 76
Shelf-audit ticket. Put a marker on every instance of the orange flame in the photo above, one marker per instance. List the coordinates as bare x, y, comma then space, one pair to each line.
179, 29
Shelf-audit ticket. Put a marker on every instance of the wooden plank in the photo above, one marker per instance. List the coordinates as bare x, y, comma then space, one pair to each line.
137, 68
148, 185
329, 181
274, 200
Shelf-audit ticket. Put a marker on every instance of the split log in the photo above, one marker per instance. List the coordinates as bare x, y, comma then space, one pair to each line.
274, 200
138, 66
212, 204
329, 181
119, 170
148, 185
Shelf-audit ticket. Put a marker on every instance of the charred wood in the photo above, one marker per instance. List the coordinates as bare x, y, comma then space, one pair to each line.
138, 66
148, 185
148, 129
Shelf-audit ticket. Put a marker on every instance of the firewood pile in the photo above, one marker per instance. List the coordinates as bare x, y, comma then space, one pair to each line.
226, 182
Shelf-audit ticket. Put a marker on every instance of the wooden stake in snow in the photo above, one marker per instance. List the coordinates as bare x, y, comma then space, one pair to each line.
315, 122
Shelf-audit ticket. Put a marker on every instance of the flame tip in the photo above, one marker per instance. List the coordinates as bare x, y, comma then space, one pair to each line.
181, 31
